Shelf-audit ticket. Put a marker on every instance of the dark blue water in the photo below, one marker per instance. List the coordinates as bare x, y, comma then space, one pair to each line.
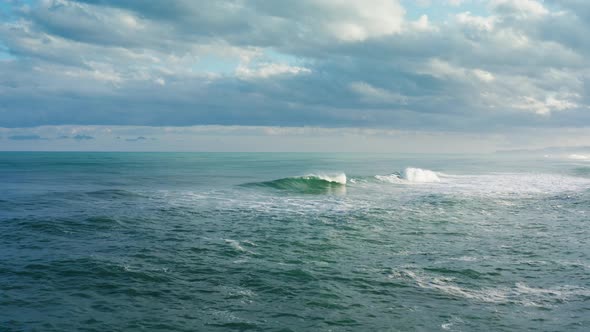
293, 242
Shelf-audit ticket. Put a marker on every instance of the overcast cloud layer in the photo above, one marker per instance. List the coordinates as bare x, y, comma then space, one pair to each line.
453, 65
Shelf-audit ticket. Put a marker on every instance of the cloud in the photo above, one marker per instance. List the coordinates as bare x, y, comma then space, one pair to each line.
26, 138
328, 63
519, 8
372, 94
136, 139
455, 3
267, 70
82, 137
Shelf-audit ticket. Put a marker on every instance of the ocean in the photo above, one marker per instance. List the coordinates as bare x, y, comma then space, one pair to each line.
293, 242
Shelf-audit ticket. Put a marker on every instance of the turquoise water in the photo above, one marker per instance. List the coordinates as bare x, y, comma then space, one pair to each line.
293, 242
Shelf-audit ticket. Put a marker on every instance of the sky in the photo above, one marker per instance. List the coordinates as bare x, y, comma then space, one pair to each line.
308, 75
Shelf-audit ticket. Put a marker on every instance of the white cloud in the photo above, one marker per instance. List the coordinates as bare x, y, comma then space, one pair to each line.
455, 3
476, 22
545, 106
519, 8
266, 70
446, 70
483, 75
318, 61
373, 94
442, 69
423, 24
358, 20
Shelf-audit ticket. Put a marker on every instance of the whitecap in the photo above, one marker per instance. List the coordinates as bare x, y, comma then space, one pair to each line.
335, 178
411, 175
520, 294
418, 175
235, 244
579, 157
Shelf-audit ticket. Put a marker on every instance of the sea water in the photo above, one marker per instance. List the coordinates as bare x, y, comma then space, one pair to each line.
293, 242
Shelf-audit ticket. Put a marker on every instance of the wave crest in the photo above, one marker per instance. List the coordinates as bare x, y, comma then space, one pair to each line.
420, 175
336, 178
311, 184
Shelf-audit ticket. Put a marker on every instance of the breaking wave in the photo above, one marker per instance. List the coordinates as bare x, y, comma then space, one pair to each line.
311, 184
411, 175
490, 184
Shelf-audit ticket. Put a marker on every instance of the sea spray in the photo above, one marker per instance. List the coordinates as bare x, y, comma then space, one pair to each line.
411, 175
420, 175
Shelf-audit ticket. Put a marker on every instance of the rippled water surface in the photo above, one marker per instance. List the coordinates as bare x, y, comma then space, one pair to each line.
293, 242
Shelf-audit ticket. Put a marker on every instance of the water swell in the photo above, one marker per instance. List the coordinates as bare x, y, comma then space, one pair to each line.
111, 194
423, 180
310, 184
581, 172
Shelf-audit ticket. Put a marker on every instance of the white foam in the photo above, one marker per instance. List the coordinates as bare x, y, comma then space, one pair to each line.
492, 184
335, 178
520, 293
445, 285
420, 175
393, 178
579, 157
235, 244
517, 183
411, 175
